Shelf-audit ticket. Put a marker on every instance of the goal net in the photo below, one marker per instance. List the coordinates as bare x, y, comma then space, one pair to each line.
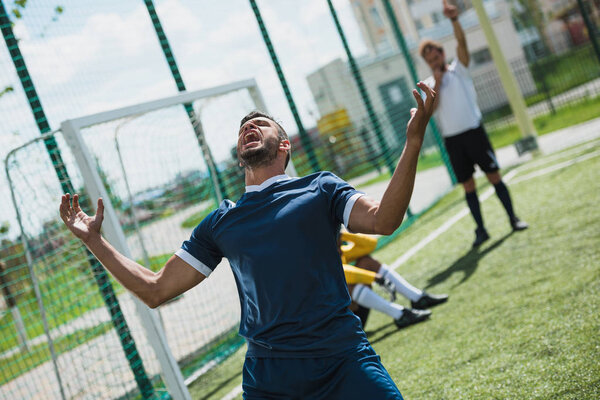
161, 166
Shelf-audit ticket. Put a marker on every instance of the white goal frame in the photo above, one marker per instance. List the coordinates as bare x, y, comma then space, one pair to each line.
113, 231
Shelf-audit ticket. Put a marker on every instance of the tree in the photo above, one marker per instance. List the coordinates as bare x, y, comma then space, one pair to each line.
4, 228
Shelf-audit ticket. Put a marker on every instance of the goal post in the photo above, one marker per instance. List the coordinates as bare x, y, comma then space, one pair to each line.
87, 160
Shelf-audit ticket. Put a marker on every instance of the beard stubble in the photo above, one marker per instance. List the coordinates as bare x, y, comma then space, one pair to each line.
261, 156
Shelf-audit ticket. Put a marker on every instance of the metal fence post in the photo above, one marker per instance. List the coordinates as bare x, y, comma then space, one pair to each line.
413, 73
114, 233
219, 185
304, 138
34, 281
515, 97
389, 162
590, 27
104, 285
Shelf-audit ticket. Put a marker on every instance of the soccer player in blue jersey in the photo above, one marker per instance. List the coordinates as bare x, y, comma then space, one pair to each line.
280, 240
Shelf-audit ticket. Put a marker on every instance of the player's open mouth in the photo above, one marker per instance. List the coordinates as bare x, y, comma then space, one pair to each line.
251, 139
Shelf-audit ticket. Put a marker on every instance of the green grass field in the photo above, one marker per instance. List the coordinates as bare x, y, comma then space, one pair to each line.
522, 320
62, 289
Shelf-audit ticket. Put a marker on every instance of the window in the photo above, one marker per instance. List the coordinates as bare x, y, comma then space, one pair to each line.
376, 17
395, 94
481, 56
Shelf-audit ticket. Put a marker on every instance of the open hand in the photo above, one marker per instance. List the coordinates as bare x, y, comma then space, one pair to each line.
82, 225
419, 117
450, 11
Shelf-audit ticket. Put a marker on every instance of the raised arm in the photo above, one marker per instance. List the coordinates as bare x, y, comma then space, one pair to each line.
371, 216
153, 288
462, 52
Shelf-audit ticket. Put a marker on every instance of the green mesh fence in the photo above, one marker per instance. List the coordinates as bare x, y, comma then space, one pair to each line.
67, 342
86, 57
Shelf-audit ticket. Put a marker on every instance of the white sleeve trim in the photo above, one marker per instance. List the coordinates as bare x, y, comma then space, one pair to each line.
194, 262
349, 205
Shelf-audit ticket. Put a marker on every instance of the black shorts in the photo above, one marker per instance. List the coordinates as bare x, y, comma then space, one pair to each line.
469, 148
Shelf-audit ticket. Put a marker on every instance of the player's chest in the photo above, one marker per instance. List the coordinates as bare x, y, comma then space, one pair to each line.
272, 222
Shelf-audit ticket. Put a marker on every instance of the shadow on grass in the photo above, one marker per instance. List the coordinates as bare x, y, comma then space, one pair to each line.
221, 385
386, 331
381, 329
467, 264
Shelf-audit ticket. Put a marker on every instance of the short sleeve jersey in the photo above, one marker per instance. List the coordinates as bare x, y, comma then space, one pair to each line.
457, 110
280, 240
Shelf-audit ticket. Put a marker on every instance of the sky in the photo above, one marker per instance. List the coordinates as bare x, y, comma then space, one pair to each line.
97, 56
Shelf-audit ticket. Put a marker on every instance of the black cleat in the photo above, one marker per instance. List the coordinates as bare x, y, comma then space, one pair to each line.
429, 300
518, 225
410, 317
481, 236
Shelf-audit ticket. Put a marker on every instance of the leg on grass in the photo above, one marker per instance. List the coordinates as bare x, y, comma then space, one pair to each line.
502, 192
366, 297
473, 202
481, 234
504, 196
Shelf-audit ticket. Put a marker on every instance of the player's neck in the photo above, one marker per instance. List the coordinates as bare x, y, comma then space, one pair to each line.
256, 176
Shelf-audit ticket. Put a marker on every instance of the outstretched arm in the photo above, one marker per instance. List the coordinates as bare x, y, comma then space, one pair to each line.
153, 288
462, 52
369, 215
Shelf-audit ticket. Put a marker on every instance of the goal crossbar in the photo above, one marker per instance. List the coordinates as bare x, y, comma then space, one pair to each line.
180, 98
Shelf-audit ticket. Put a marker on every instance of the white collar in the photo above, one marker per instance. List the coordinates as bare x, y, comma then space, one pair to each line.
267, 183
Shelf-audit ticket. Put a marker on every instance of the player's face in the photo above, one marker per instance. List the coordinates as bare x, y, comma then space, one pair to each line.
435, 59
258, 142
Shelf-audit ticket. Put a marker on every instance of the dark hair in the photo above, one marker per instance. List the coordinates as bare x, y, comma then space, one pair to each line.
427, 45
280, 131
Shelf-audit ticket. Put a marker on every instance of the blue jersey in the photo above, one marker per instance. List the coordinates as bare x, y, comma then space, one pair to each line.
280, 240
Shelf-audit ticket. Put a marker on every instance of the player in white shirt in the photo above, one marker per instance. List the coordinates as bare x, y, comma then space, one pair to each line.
459, 117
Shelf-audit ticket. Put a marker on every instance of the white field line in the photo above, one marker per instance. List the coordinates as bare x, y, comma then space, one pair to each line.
556, 167
443, 228
416, 248
561, 154
209, 365
233, 394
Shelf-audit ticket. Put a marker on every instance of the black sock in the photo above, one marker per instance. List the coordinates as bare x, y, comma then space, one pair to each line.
504, 196
473, 202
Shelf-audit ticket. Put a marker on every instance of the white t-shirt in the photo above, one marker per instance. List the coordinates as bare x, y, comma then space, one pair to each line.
457, 109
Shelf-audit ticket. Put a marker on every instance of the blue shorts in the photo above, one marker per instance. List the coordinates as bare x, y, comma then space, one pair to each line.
358, 375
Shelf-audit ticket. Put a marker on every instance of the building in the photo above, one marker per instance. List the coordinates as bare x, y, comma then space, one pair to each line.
387, 84
375, 26
385, 71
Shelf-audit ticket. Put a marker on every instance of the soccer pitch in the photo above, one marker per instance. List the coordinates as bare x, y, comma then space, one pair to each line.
522, 319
